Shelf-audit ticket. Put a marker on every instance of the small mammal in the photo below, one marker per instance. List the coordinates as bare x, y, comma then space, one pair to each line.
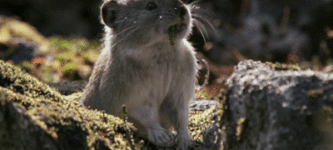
147, 65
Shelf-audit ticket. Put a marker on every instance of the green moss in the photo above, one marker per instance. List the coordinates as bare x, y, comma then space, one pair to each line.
201, 95
314, 93
200, 120
172, 38
327, 110
71, 48
281, 66
240, 127
66, 44
76, 56
13, 78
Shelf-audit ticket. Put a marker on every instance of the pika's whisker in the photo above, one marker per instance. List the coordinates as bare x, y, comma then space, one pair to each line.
199, 27
123, 30
126, 18
194, 3
124, 37
201, 19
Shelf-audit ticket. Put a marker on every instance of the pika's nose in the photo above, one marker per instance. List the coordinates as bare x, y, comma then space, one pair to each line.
181, 10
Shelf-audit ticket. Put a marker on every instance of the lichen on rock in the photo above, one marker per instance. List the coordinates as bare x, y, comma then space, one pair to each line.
67, 122
33, 116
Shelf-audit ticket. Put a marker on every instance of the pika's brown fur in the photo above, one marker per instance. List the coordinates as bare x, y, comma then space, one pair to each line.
141, 69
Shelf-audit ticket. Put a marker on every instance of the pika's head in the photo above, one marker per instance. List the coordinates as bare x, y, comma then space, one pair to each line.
146, 22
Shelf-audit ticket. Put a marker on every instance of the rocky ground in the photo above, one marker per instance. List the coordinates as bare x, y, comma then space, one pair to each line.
35, 116
264, 106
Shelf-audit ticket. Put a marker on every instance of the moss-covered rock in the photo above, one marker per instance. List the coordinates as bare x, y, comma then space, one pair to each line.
69, 124
37, 116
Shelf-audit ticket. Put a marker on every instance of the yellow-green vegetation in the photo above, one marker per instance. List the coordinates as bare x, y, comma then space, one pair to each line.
89, 50
172, 38
64, 118
56, 58
201, 95
329, 111
73, 60
75, 96
200, 120
17, 81
76, 56
314, 93
281, 66
240, 126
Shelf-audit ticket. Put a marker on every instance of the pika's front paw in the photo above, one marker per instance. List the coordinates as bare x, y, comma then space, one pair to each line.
162, 137
183, 142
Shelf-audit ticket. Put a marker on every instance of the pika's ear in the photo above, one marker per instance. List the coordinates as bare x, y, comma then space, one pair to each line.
109, 12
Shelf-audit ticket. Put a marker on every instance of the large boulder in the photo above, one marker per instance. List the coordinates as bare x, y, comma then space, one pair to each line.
273, 108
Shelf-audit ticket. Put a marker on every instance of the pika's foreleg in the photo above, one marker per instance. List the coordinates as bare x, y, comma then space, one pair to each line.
147, 115
176, 109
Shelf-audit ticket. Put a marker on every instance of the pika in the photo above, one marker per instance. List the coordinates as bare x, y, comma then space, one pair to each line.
148, 65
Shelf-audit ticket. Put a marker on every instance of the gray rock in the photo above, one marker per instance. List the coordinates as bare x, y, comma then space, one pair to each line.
212, 136
202, 105
67, 88
17, 130
268, 109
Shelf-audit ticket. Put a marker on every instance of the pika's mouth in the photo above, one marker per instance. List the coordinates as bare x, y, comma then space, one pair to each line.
174, 30
177, 28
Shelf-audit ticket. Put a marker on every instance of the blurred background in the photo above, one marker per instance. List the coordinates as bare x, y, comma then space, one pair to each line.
59, 40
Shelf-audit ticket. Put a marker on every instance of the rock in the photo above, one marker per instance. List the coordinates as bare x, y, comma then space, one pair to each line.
19, 132
202, 105
67, 88
20, 41
24, 52
35, 116
268, 109
213, 136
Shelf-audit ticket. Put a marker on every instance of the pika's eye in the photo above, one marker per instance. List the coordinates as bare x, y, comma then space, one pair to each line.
151, 6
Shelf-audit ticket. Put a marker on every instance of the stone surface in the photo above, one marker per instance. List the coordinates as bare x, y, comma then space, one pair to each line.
67, 88
201, 105
20, 41
268, 109
19, 132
